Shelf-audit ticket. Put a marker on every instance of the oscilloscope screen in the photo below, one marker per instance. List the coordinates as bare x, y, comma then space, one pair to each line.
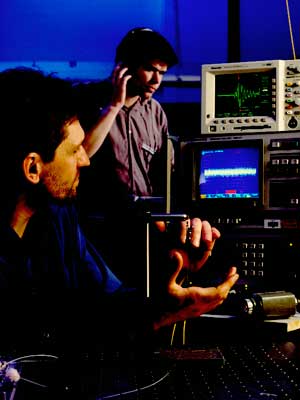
245, 94
230, 173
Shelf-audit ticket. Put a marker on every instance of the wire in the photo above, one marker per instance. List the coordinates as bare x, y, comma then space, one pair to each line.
173, 334
31, 356
28, 358
184, 332
13, 392
290, 28
184, 322
33, 382
177, 33
112, 396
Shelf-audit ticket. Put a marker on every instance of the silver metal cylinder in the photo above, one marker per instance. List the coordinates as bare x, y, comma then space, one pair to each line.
277, 304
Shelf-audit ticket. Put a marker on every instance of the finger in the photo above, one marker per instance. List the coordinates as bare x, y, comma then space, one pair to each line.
202, 232
116, 72
225, 286
198, 264
207, 237
196, 232
122, 72
206, 234
177, 262
126, 79
216, 234
160, 225
184, 231
232, 271
119, 73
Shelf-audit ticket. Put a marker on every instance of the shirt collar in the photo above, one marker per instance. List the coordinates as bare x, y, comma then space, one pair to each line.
138, 106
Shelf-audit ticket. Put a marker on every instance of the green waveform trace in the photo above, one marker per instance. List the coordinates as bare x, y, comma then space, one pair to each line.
242, 94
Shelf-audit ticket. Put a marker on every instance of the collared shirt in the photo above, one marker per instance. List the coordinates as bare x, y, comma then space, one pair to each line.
139, 142
133, 159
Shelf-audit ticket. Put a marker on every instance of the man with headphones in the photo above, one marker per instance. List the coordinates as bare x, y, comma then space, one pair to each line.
127, 135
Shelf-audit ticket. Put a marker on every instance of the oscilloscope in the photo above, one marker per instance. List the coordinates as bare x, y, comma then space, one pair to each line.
255, 96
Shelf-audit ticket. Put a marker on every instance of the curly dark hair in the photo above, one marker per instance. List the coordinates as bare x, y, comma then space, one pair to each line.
34, 108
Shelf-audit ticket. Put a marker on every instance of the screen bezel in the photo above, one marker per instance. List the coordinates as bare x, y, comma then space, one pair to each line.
212, 125
225, 205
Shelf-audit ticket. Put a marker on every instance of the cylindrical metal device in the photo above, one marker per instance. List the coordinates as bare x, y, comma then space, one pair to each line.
279, 304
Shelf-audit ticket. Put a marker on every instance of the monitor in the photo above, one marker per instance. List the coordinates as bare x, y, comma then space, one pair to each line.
227, 175
246, 97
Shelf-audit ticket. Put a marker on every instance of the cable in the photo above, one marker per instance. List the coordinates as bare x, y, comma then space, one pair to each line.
290, 28
12, 374
13, 392
173, 334
184, 322
112, 396
32, 356
177, 33
33, 382
184, 332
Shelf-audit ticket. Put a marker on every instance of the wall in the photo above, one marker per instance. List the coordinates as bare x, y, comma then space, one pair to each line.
265, 29
77, 38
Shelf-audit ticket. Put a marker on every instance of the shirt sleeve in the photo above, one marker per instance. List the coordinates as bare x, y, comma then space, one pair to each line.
99, 273
90, 99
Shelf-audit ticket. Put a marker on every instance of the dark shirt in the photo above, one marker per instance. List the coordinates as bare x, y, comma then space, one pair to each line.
57, 288
60, 298
53, 254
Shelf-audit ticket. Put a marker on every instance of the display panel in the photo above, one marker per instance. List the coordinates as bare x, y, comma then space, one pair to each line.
228, 174
247, 97
245, 94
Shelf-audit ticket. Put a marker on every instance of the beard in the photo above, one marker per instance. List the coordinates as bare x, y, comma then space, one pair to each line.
38, 196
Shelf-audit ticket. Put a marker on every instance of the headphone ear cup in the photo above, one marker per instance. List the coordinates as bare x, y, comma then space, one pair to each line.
137, 30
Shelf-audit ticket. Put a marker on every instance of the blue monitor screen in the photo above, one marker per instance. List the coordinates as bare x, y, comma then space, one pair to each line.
230, 172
